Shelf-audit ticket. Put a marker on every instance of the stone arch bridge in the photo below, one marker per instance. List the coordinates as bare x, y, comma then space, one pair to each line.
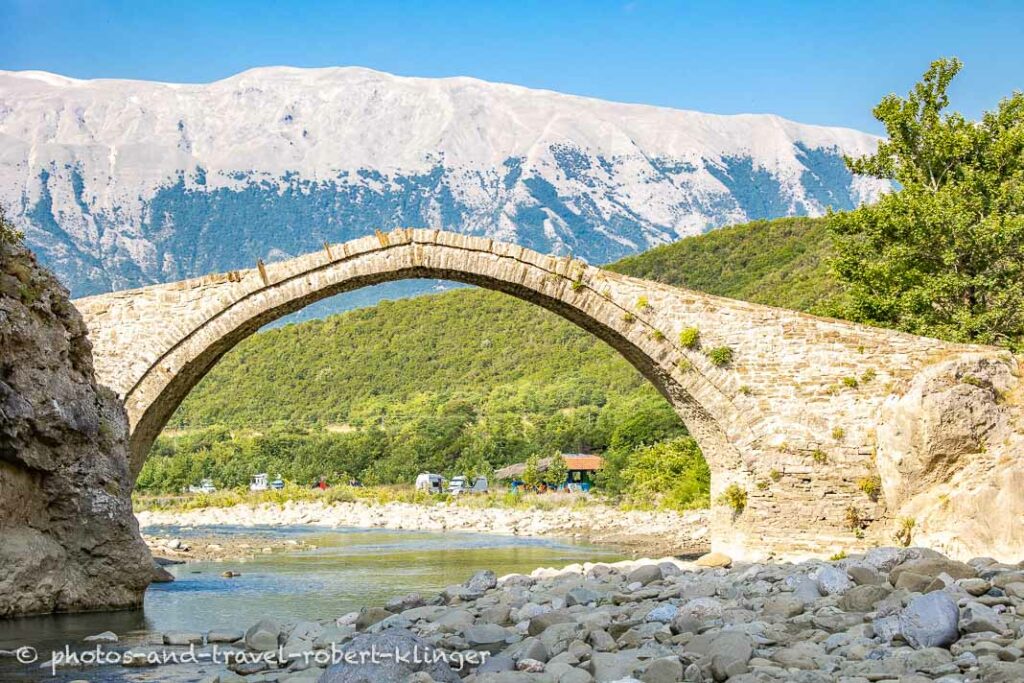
804, 420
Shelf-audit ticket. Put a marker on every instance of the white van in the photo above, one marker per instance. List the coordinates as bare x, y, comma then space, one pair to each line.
429, 482
461, 484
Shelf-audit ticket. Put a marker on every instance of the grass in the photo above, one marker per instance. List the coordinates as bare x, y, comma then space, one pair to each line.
375, 495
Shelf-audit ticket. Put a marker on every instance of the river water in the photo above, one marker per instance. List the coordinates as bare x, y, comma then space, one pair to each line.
349, 568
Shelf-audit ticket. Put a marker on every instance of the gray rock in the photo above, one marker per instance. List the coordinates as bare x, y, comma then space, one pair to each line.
645, 574
481, 581
863, 598
263, 636
541, 622
864, 575
415, 656
784, 605
663, 613
728, 651
184, 638
978, 618
496, 664
489, 637
932, 567
601, 641
804, 587
581, 596
368, 616
404, 602
833, 581
612, 666
930, 621
224, 636
663, 670
883, 559
105, 637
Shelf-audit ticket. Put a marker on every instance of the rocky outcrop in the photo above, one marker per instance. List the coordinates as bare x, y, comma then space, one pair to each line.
949, 456
68, 540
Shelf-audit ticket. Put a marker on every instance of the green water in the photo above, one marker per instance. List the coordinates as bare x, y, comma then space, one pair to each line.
349, 568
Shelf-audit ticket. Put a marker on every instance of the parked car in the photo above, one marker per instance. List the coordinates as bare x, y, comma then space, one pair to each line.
277, 484
430, 482
205, 486
259, 482
461, 484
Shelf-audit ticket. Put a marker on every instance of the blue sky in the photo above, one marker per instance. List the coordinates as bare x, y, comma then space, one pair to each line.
818, 62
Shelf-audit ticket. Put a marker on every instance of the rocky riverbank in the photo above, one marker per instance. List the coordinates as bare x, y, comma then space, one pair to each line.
634, 532
893, 615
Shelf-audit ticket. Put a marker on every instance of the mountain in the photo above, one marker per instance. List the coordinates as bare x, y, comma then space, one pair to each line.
124, 183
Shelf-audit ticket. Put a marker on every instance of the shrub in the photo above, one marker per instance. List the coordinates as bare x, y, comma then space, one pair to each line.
819, 456
690, 338
854, 521
8, 235
628, 318
871, 487
841, 555
762, 485
735, 497
838, 433
658, 335
671, 474
905, 532
720, 355
577, 285
531, 475
746, 390
868, 375
775, 475
642, 304
850, 382
684, 364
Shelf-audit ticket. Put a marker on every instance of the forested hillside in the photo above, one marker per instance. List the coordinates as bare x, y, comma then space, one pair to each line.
468, 379
779, 263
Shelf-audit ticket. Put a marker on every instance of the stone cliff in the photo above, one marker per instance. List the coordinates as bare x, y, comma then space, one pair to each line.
68, 539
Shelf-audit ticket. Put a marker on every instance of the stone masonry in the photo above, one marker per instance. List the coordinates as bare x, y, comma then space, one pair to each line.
791, 421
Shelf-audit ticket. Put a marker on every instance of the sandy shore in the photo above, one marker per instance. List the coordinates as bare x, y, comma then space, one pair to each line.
634, 532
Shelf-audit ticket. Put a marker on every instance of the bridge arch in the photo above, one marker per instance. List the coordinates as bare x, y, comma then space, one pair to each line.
761, 420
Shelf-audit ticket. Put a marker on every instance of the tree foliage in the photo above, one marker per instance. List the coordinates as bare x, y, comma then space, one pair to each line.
8, 234
944, 255
531, 473
557, 472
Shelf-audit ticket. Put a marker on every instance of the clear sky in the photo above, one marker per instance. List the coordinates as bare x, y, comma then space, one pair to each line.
818, 62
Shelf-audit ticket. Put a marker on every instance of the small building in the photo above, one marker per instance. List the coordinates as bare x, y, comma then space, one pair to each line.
582, 468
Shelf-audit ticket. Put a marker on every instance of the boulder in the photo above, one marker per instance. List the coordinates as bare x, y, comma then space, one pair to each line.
863, 598
833, 581
644, 574
541, 622
409, 655
728, 652
933, 567
263, 635
930, 621
481, 582
714, 560
978, 618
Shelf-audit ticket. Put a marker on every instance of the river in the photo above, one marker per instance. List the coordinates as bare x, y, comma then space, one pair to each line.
348, 569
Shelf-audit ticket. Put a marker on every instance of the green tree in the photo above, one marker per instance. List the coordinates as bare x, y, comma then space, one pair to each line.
944, 254
558, 471
8, 235
531, 475
672, 474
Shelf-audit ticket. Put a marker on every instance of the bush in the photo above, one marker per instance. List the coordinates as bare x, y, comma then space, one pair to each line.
720, 355
671, 474
690, 338
871, 487
734, 497
8, 235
